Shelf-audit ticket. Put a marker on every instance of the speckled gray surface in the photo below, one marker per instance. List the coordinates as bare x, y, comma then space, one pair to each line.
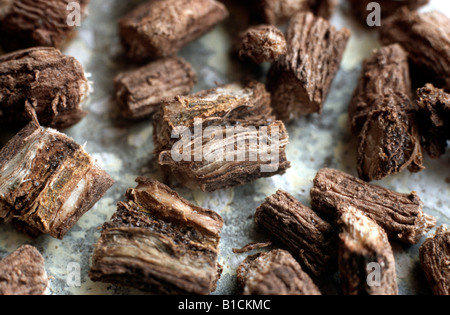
125, 151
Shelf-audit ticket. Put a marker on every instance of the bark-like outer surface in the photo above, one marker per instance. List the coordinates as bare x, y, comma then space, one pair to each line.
382, 117
426, 38
401, 215
139, 92
160, 243
53, 84
435, 257
300, 81
362, 242
309, 238
274, 273
160, 28
23, 273
30, 23
434, 119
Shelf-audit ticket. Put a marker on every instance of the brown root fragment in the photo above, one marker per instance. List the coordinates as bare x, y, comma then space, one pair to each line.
225, 137
299, 82
435, 258
140, 92
263, 43
23, 273
47, 181
53, 85
382, 117
434, 119
32, 23
366, 260
310, 239
159, 242
161, 28
401, 215
426, 39
274, 273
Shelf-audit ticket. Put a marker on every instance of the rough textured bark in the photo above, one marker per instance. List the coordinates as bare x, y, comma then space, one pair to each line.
309, 238
401, 215
30, 23
23, 273
228, 137
140, 92
435, 257
388, 7
263, 43
363, 243
160, 28
426, 38
434, 118
53, 85
300, 81
160, 243
47, 181
274, 273
382, 117
278, 12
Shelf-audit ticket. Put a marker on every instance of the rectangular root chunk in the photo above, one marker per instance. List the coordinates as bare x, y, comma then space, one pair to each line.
388, 7
382, 117
435, 258
140, 92
220, 138
300, 81
52, 84
23, 273
161, 28
309, 238
160, 243
426, 38
434, 118
274, 273
32, 23
47, 181
366, 260
400, 215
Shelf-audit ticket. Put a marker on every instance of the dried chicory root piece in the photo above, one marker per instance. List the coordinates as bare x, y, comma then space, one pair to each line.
359, 8
139, 92
47, 181
382, 116
278, 12
274, 273
160, 243
426, 38
434, 119
401, 215
23, 273
53, 84
220, 138
31, 23
366, 260
263, 43
308, 237
435, 260
300, 81
161, 28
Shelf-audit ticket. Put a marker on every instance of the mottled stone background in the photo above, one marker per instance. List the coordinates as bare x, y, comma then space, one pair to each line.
125, 151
